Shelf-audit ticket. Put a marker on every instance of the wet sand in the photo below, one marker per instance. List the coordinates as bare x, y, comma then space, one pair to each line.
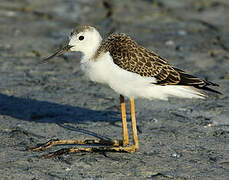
179, 138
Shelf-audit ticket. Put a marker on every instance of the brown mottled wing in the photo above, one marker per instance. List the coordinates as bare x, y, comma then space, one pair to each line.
187, 79
134, 58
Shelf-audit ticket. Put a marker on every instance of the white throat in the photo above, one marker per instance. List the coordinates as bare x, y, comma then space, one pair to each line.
89, 52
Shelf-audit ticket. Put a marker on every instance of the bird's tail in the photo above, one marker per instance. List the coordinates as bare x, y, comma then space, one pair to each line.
206, 88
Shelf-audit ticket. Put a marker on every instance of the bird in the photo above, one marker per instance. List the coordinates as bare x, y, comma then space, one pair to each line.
132, 71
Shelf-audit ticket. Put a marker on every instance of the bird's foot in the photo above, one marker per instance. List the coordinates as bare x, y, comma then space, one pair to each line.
56, 154
55, 142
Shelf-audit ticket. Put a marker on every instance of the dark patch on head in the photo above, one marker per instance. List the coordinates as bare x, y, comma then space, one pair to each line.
77, 30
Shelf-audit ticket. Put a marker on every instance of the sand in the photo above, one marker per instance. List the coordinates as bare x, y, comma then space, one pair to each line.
179, 138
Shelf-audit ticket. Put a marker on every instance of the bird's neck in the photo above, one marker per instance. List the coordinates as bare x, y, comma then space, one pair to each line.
90, 52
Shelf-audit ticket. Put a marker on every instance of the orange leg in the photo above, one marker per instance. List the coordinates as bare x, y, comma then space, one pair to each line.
108, 145
133, 123
124, 123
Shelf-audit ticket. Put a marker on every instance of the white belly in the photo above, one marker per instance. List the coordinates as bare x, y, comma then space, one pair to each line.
132, 85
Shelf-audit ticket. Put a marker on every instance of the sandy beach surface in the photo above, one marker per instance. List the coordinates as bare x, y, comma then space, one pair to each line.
179, 139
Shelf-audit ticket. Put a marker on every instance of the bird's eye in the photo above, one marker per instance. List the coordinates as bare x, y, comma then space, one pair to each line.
81, 38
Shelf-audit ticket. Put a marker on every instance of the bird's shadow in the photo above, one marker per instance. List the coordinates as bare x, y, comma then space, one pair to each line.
48, 112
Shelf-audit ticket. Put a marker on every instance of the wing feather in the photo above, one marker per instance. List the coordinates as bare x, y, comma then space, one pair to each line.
130, 56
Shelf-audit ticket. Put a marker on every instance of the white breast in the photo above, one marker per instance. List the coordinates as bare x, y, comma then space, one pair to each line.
132, 85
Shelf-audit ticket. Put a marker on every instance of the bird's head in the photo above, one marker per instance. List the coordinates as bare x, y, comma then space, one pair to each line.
85, 39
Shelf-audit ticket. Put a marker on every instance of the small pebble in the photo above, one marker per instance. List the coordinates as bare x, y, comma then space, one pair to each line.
175, 155
182, 32
68, 169
169, 43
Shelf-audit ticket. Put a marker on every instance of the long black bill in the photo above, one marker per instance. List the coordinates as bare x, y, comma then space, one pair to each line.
57, 53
